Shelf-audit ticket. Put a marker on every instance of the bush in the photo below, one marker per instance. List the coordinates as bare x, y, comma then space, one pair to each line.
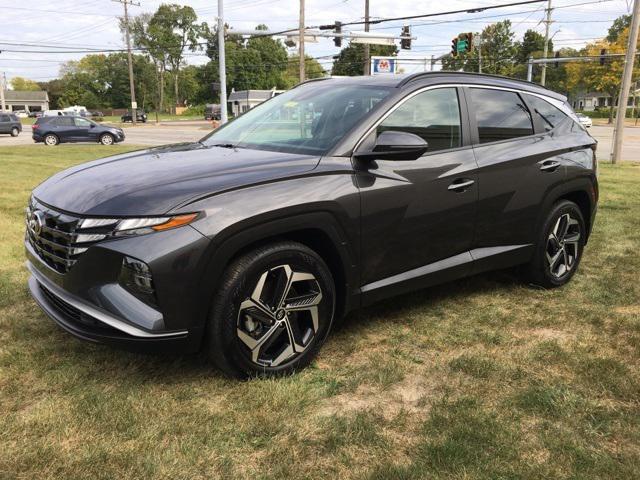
603, 112
194, 110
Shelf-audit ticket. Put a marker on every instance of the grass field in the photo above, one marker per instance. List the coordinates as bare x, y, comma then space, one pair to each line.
483, 378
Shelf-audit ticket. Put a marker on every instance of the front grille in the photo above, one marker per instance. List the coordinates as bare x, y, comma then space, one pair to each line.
59, 238
71, 313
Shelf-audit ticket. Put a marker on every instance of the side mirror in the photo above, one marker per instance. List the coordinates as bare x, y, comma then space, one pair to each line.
395, 145
92, 125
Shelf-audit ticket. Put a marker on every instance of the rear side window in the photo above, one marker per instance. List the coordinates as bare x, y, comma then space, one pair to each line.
14, 118
4, 118
500, 115
433, 115
64, 122
551, 116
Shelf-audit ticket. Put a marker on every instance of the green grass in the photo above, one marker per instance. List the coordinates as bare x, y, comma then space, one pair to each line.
483, 378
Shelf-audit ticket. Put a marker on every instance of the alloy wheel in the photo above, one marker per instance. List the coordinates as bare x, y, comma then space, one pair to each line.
106, 140
50, 140
280, 318
563, 245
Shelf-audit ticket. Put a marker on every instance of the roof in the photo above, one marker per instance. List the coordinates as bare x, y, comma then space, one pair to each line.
26, 96
398, 81
251, 95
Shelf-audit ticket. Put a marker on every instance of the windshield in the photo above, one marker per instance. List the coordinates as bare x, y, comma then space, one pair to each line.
308, 119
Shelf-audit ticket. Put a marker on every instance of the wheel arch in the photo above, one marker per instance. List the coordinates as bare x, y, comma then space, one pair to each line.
319, 231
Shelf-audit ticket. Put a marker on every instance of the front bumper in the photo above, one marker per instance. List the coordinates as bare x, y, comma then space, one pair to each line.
89, 303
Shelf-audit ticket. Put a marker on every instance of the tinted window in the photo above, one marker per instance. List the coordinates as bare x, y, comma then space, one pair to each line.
433, 115
14, 118
551, 116
500, 115
64, 122
4, 118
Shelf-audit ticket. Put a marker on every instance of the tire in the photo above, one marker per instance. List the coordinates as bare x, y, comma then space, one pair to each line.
15, 132
107, 139
51, 140
559, 247
274, 335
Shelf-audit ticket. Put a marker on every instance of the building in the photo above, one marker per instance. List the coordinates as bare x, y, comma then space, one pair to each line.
244, 100
35, 101
591, 101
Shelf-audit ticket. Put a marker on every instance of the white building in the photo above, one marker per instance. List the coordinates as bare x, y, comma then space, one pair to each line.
35, 101
244, 100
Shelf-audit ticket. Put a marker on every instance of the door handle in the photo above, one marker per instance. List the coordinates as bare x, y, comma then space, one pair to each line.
460, 185
549, 165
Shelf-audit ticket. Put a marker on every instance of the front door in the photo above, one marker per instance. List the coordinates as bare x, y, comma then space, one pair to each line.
418, 216
83, 131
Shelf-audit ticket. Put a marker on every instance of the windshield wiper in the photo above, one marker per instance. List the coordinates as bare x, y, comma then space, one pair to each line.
224, 145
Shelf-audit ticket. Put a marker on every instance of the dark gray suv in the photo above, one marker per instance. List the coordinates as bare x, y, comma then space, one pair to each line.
10, 123
336, 194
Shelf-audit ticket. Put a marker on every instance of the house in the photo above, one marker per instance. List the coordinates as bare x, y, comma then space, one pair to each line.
35, 101
244, 100
593, 100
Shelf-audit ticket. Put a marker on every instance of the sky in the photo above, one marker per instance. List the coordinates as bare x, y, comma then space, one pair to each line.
36, 26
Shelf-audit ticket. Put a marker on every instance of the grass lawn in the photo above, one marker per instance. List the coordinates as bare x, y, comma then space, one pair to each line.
483, 378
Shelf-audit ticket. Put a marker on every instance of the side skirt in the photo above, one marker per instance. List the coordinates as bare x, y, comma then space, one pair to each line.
464, 264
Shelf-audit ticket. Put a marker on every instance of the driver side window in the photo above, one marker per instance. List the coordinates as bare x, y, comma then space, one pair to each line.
81, 122
433, 115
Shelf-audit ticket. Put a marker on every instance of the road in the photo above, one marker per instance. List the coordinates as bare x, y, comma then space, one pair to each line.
188, 131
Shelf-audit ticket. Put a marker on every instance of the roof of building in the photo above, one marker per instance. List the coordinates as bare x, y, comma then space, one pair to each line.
26, 96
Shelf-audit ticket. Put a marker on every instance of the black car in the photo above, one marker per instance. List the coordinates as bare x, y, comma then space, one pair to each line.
334, 195
68, 128
212, 111
140, 116
10, 123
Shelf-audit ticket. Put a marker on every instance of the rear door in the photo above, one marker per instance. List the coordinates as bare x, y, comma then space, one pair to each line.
418, 216
5, 124
64, 128
515, 171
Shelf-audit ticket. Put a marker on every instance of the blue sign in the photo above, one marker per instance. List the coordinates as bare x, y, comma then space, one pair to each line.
384, 65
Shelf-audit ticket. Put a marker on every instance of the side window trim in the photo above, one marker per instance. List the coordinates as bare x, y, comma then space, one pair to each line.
538, 124
474, 125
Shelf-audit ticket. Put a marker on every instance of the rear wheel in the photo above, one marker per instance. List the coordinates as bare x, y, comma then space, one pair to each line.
106, 139
272, 312
559, 248
15, 132
51, 139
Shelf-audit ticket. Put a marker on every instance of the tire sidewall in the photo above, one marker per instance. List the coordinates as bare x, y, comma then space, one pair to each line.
105, 135
239, 285
50, 135
540, 262
15, 132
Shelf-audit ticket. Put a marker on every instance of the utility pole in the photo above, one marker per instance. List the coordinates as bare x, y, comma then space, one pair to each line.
3, 85
367, 61
629, 59
477, 40
301, 40
547, 22
221, 64
132, 89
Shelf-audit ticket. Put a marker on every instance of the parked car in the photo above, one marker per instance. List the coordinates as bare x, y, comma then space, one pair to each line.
584, 120
212, 111
65, 128
252, 242
21, 113
10, 123
140, 116
52, 113
97, 113
35, 114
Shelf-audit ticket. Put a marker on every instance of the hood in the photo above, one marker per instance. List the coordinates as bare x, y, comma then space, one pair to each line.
154, 181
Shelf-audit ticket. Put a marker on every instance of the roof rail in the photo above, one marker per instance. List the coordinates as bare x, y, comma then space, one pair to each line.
416, 76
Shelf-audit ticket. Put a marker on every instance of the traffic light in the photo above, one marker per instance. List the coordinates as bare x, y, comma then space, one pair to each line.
556, 64
603, 52
337, 41
405, 42
465, 42
454, 47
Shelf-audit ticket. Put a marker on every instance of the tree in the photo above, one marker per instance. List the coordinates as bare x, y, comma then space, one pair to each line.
619, 25
312, 69
24, 84
592, 76
498, 52
532, 45
176, 28
350, 61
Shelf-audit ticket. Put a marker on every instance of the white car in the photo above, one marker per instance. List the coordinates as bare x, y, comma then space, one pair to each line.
584, 120
21, 113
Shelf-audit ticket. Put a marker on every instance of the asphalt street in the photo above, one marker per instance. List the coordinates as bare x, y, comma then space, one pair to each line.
189, 131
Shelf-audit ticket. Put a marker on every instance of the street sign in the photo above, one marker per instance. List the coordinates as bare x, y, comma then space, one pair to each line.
134, 105
383, 65
372, 39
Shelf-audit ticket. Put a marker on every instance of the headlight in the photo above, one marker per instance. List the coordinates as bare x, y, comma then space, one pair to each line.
134, 226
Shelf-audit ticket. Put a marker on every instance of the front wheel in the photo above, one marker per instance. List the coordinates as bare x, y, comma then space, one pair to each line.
106, 139
272, 312
15, 132
559, 248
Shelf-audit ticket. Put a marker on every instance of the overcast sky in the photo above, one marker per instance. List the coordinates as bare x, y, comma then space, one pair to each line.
93, 24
